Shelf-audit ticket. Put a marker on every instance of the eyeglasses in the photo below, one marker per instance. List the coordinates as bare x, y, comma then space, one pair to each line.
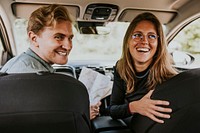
138, 37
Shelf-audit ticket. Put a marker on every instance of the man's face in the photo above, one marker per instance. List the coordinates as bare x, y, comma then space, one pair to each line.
55, 43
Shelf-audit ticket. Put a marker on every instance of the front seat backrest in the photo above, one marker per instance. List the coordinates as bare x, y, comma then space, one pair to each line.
183, 93
43, 103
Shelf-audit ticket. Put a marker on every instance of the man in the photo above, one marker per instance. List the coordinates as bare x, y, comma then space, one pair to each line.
50, 34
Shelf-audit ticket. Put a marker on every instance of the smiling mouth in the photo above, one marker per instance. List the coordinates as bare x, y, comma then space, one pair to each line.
143, 49
63, 53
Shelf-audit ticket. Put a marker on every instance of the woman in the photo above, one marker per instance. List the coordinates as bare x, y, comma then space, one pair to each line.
144, 64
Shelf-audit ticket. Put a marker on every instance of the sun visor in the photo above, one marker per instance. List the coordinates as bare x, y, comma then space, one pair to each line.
23, 10
128, 14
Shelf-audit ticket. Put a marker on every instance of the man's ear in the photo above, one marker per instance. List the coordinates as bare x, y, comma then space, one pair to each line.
33, 38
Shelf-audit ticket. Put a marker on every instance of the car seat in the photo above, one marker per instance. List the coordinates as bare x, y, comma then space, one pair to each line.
183, 93
43, 103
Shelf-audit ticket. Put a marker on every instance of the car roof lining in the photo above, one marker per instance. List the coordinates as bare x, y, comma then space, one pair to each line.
127, 10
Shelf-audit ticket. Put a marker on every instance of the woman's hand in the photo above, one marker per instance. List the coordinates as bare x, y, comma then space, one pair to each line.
94, 110
151, 108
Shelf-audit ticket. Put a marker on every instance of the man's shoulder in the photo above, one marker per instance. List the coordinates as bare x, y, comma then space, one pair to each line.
22, 58
21, 63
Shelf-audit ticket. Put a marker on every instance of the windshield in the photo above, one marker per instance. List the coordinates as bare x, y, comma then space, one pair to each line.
106, 47
85, 46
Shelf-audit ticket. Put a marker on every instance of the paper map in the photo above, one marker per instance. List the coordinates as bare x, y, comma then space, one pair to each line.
98, 85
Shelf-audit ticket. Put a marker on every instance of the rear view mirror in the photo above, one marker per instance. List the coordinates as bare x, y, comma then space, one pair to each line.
88, 27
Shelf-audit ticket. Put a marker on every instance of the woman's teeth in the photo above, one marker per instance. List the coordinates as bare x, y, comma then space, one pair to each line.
143, 49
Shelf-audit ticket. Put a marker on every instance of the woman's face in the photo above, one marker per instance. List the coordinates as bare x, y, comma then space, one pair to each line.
143, 44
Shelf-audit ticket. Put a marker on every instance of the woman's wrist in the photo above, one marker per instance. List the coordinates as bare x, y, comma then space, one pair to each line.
132, 107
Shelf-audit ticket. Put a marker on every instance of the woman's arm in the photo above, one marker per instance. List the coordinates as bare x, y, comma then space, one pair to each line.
119, 107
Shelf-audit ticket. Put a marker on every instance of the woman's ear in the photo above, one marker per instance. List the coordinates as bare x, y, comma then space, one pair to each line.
33, 38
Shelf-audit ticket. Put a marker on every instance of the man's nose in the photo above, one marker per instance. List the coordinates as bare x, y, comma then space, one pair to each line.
67, 44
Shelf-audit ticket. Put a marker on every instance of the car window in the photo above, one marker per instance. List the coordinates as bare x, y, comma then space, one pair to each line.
20, 35
100, 47
185, 46
1, 50
1, 42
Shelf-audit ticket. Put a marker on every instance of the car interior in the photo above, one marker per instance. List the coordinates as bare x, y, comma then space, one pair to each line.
99, 29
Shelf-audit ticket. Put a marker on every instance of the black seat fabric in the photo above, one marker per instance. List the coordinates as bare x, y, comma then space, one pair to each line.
106, 123
43, 103
183, 93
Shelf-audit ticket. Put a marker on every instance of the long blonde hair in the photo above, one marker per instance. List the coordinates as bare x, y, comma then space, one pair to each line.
161, 67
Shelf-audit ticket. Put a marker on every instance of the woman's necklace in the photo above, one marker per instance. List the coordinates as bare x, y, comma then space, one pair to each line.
142, 76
